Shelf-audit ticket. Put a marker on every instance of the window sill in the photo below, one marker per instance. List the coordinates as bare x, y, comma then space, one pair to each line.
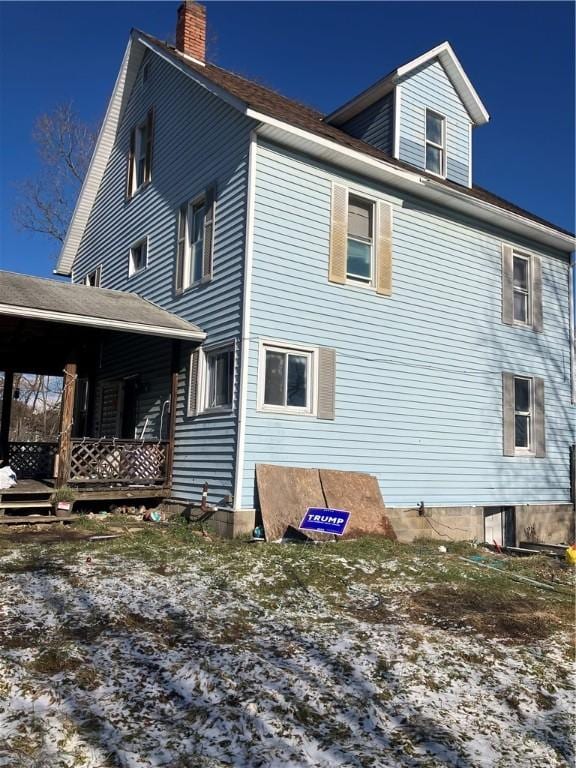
359, 284
285, 411
138, 272
137, 192
196, 284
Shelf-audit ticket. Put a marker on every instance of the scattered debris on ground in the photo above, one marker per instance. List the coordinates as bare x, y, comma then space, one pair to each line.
166, 648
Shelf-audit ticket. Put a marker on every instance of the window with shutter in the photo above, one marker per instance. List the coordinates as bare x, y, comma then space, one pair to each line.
523, 415
360, 241
521, 289
297, 379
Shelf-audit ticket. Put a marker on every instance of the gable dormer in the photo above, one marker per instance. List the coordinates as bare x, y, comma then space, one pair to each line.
421, 113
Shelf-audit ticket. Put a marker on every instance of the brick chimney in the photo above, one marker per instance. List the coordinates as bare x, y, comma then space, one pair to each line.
191, 30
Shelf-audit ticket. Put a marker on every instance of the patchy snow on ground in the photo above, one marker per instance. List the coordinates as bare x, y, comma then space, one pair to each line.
244, 661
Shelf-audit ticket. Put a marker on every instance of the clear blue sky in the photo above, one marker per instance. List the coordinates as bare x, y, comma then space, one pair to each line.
519, 56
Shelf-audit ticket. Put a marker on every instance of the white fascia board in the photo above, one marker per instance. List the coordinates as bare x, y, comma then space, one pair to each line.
411, 182
100, 322
453, 68
133, 55
100, 156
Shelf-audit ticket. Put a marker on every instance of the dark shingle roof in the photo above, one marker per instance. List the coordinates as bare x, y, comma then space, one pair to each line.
273, 104
96, 306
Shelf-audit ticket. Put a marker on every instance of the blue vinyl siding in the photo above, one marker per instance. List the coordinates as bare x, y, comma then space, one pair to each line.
430, 87
198, 140
124, 355
418, 385
375, 125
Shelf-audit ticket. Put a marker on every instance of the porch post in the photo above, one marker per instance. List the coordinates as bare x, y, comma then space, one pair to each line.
66, 419
174, 371
7, 396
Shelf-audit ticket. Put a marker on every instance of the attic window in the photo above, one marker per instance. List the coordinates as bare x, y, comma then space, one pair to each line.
435, 143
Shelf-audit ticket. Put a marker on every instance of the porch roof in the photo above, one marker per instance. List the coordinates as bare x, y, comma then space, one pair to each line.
37, 298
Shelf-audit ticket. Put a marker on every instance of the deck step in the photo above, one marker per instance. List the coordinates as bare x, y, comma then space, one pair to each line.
40, 504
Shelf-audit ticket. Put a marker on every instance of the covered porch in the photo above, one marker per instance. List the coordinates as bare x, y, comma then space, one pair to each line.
118, 357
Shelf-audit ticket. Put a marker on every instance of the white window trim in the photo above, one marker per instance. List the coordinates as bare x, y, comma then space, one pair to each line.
92, 272
286, 346
202, 379
190, 205
518, 450
529, 323
442, 147
131, 271
358, 282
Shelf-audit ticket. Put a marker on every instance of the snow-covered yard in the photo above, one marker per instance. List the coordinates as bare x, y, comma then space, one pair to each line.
164, 649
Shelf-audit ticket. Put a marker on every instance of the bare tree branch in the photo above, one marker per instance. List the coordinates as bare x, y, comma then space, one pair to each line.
64, 144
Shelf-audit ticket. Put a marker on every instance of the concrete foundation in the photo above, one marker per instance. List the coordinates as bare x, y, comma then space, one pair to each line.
227, 523
550, 523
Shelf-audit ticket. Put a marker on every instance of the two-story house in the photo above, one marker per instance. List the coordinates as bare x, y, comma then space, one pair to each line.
366, 307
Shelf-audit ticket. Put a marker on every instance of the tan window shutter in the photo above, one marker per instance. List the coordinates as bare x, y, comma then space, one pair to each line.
130, 176
537, 315
98, 276
508, 427
149, 145
338, 235
507, 285
326, 383
180, 250
193, 399
209, 221
539, 419
384, 249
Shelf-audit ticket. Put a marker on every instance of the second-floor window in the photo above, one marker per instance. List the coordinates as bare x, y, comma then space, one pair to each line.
140, 158
359, 262
435, 143
195, 241
522, 304
522, 289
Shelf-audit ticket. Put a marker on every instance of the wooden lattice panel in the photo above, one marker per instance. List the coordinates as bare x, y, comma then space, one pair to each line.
117, 461
32, 460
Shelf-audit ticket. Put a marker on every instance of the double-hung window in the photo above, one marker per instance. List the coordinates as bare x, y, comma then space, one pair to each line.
524, 427
140, 159
195, 241
435, 143
360, 250
219, 378
522, 284
523, 414
522, 289
211, 380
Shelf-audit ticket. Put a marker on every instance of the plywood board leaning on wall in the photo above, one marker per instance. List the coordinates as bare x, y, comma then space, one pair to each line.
285, 494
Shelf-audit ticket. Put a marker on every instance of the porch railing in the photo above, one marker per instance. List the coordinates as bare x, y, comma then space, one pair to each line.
118, 462
32, 460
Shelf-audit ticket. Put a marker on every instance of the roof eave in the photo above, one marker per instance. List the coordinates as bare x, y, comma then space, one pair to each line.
411, 182
445, 54
32, 313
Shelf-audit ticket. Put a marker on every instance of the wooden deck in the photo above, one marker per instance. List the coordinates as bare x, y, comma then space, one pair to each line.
25, 487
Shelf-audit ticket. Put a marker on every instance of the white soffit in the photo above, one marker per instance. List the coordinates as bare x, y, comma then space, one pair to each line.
454, 70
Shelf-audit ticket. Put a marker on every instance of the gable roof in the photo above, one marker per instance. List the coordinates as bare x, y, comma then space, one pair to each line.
446, 56
62, 302
263, 105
